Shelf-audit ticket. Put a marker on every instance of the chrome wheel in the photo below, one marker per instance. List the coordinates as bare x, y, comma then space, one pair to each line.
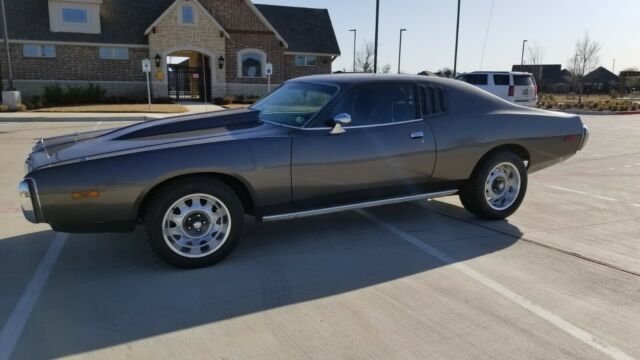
196, 225
502, 186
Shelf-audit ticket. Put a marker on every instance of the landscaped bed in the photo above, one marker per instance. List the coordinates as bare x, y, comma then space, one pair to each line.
127, 108
590, 103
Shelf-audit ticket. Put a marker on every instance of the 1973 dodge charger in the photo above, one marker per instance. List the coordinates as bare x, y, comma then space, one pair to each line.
316, 145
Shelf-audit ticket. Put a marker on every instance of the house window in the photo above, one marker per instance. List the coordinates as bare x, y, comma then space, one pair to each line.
114, 53
39, 51
306, 60
251, 63
75, 16
187, 15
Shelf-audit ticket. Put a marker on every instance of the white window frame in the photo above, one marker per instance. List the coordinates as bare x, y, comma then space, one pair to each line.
181, 15
263, 63
306, 60
41, 54
113, 53
75, 23
56, 16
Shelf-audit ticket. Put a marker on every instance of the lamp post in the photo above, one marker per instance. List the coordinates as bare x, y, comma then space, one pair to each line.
400, 49
6, 45
375, 54
455, 56
522, 59
355, 32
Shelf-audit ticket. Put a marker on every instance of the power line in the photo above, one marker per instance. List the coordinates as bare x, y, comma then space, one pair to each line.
486, 34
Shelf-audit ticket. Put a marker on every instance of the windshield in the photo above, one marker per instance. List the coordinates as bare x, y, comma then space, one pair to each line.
293, 104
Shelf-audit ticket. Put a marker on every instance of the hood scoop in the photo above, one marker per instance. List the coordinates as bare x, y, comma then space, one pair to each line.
230, 119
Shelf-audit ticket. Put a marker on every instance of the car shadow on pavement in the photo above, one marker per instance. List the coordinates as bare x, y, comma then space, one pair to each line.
108, 290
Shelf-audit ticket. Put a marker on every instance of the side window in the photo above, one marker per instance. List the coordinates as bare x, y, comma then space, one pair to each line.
501, 80
481, 79
378, 104
523, 80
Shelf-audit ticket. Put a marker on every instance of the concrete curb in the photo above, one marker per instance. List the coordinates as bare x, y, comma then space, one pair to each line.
586, 112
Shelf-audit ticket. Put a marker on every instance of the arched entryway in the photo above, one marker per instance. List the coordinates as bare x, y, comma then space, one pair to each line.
189, 76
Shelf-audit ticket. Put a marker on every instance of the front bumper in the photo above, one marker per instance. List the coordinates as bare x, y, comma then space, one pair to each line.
585, 137
28, 193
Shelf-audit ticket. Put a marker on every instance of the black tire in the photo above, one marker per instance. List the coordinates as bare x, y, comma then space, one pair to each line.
166, 196
473, 194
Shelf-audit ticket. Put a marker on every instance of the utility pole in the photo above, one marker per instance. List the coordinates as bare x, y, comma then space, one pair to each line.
6, 46
375, 55
355, 32
613, 68
400, 49
455, 57
522, 59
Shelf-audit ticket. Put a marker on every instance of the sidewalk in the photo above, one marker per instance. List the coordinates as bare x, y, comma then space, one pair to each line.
47, 117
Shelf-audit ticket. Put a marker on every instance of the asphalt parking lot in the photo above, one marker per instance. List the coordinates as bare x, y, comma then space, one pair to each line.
560, 279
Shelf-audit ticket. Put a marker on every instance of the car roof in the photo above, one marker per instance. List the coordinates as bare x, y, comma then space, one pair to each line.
363, 78
499, 72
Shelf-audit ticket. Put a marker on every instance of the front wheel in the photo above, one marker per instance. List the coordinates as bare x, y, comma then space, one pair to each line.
194, 222
497, 187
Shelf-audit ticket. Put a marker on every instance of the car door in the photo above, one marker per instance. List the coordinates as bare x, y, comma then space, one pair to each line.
388, 150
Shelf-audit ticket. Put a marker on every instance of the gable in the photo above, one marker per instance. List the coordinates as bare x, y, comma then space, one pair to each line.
171, 10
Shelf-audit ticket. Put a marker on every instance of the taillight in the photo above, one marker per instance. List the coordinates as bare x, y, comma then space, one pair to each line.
535, 89
512, 90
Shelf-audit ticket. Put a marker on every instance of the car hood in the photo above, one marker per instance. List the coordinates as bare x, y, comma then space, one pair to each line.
218, 126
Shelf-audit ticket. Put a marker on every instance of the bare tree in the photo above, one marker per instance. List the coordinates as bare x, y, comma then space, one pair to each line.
364, 58
386, 69
535, 53
584, 60
445, 72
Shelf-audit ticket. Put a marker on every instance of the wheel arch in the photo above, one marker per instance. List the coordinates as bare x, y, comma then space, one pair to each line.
243, 190
517, 149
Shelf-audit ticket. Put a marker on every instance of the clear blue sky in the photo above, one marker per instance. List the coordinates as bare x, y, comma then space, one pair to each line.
429, 41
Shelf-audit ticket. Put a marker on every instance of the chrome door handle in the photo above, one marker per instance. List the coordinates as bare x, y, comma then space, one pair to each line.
417, 135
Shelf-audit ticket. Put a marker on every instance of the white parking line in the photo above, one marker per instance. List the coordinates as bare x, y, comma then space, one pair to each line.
18, 319
578, 192
552, 318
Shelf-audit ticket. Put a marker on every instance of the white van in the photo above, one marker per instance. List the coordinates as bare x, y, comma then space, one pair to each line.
516, 87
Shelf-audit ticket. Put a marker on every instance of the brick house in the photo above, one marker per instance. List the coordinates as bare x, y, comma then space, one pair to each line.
197, 48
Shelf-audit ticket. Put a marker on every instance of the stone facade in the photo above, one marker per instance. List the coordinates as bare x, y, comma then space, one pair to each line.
170, 36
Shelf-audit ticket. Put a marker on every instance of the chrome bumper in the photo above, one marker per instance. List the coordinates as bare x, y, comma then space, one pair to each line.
29, 200
585, 137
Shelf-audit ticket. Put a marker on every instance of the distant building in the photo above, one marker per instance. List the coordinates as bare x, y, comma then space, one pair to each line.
601, 80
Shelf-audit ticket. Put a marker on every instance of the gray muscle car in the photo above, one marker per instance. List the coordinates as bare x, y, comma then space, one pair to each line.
316, 145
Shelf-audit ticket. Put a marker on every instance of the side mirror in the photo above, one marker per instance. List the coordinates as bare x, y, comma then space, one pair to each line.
339, 122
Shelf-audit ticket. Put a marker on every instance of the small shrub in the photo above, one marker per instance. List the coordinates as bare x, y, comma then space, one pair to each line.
229, 100
55, 95
549, 106
4, 108
21, 107
600, 108
614, 94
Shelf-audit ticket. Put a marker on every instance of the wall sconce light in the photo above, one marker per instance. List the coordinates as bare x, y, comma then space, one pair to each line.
220, 62
158, 60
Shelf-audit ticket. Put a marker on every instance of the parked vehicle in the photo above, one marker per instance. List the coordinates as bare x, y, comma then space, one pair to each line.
516, 87
316, 145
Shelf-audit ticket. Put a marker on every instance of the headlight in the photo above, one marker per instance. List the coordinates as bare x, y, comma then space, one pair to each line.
26, 201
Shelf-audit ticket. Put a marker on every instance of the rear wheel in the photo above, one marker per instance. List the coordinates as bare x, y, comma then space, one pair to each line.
497, 187
194, 222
